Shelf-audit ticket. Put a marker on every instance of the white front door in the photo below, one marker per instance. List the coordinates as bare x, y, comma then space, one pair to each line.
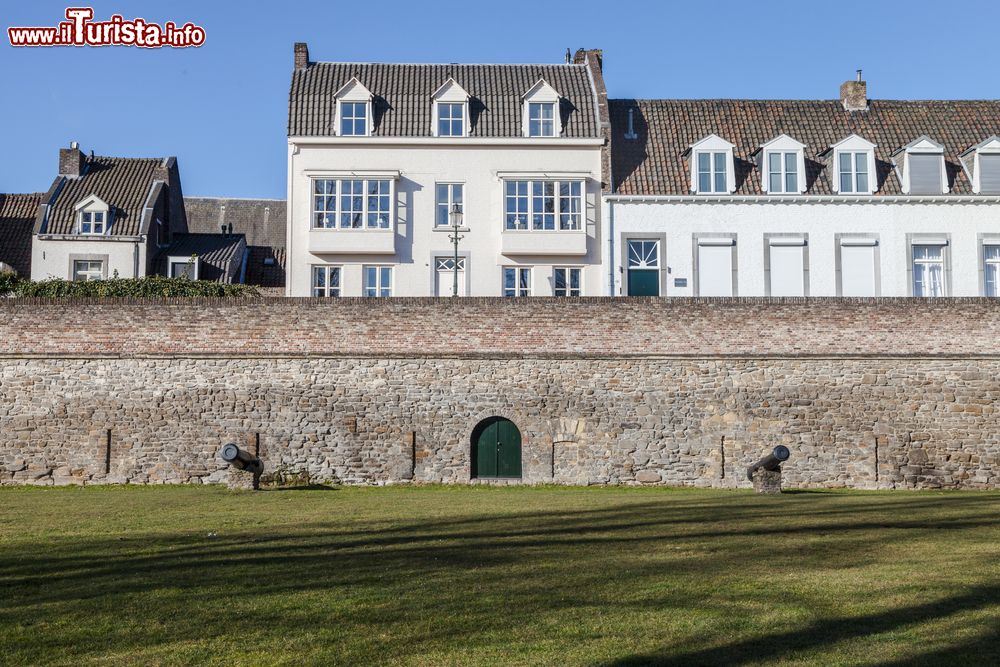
444, 276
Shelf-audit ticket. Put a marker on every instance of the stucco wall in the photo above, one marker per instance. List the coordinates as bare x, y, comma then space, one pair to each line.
52, 258
891, 222
867, 394
417, 241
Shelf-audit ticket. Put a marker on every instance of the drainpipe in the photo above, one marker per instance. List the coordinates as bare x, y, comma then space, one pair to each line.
135, 259
611, 248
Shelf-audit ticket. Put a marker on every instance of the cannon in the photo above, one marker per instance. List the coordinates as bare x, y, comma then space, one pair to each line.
242, 461
770, 462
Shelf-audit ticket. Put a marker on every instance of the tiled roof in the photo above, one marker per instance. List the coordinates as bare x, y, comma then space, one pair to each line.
262, 273
220, 255
262, 221
655, 164
122, 183
17, 221
403, 104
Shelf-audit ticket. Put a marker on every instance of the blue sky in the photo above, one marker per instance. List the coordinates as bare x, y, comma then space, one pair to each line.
221, 108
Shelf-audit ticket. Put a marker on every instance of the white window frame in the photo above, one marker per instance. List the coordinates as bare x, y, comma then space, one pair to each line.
448, 202
712, 145
90, 272
943, 242
380, 286
519, 272
854, 145
541, 93
987, 263
193, 261
568, 289
339, 211
783, 144
353, 92
709, 240
785, 240
570, 220
327, 289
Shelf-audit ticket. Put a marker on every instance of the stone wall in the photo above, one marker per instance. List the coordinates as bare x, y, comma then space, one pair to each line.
603, 391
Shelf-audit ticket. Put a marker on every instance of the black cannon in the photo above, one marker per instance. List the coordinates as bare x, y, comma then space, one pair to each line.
771, 462
241, 460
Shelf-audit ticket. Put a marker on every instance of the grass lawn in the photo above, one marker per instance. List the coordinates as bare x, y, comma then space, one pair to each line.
475, 575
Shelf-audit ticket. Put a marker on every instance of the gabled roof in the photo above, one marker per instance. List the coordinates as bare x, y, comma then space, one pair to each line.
653, 163
17, 221
403, 97
123, 183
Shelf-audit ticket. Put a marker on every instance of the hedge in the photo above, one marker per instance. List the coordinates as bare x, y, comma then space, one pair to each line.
150, 286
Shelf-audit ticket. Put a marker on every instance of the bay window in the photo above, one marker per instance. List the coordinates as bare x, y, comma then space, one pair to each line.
548, 205
352, 203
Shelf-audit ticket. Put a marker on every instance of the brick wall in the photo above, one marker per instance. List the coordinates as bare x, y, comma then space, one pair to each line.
885, 394
493, 326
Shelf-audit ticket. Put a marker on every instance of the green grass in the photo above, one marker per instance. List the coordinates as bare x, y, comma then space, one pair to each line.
475, 575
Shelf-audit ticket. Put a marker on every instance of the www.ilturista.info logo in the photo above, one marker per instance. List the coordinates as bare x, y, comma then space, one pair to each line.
81, 30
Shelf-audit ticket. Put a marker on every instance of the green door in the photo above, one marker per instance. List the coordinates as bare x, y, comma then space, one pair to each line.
497, 449
643, 282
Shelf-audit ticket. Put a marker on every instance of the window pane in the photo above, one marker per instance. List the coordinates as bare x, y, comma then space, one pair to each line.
720, 161
774, 162
704, 162
704, 182
790, 162
791, 182
845, 163
846, 183
774, 184
720, 181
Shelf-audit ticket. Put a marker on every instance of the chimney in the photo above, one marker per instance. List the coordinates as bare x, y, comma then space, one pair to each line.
594, 56
854, 94
71, 161
301, 55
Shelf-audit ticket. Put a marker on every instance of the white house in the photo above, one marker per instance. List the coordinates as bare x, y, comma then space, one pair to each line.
846, 197
385, 159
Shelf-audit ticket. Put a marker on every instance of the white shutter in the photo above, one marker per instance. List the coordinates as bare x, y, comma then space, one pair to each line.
989, 174
925, 174
857, 269
787, 267
715, 269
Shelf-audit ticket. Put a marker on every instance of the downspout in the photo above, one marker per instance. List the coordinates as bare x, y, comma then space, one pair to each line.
135, 259
611, 248
243, 265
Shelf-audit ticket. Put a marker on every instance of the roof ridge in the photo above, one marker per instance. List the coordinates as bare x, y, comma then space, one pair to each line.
391, 64
799, 100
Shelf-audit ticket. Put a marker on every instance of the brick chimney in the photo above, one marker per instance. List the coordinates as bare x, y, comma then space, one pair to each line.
301, 55
594, 56
854, 94
71, 161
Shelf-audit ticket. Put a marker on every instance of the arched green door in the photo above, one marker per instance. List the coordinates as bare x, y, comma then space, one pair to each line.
496, 449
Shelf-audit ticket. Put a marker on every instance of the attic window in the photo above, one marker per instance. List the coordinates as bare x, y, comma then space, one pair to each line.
712, 166
541, 119
354, 110
541, 111
923, 171
854, 166
783, 165
989, 173
92, 222
451, 119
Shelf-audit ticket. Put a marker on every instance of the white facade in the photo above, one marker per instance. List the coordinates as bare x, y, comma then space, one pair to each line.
62, 256
413, 240
809, 246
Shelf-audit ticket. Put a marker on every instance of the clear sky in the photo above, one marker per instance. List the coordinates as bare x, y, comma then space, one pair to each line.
221, 108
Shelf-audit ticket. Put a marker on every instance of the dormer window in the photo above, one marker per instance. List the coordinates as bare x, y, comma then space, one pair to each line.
93, 217
712, 166
541, 119
854, 166
92, 222
783, 166
451, 110
353, 119
541, 111
921, 167
354, 110
983, 161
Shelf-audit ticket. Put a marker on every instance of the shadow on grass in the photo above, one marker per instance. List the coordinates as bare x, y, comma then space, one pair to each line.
348, 580
301, 487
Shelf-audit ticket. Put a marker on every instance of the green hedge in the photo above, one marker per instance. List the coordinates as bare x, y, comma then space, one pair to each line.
150, 286
8, 282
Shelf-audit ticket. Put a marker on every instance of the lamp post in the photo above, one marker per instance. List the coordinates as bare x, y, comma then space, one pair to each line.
456, 224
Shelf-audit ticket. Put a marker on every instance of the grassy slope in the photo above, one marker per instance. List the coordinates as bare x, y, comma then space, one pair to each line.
496, 575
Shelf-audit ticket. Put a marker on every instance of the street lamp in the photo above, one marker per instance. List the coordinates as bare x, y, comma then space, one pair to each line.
455, 215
